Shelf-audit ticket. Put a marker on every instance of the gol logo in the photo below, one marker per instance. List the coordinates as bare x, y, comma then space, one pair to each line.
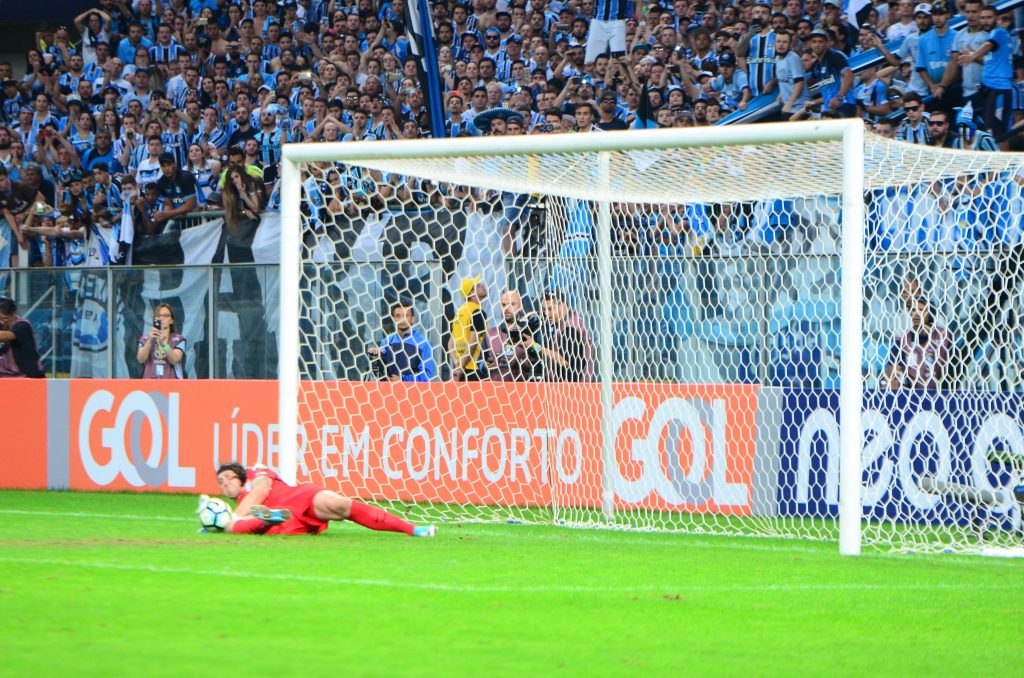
703, 423
153, 468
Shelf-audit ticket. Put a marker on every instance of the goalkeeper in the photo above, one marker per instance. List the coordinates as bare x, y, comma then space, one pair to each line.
268, 505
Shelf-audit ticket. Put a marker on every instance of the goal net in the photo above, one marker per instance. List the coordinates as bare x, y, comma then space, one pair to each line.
792, 330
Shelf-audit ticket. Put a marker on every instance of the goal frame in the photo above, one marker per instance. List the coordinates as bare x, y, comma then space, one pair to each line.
850, 132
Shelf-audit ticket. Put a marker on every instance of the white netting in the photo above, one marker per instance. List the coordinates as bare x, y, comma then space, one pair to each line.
724, 336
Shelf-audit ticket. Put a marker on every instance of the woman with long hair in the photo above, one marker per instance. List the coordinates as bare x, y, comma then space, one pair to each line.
111, 122
203, 169
80, 132
33, 64
162, 349
243, 198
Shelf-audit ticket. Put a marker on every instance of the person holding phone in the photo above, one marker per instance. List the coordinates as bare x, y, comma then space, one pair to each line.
162, 350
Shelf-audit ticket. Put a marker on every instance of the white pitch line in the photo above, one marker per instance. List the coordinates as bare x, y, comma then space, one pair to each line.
454, 588
98, 516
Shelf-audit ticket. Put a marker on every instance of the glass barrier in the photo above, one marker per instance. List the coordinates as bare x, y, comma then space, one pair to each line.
772, 320
88, 322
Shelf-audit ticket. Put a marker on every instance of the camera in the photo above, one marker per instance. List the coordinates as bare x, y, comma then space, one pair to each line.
395, 361
522, 326
546, 127
156, 324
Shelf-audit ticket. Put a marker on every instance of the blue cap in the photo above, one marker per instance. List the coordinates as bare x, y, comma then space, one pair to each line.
965, 116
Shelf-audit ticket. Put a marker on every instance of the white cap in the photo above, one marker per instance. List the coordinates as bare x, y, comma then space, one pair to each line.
923, 7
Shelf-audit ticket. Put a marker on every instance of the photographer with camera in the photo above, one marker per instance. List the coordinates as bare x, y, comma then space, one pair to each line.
162, 349
518, 354
19, 356
405, 354
567, 351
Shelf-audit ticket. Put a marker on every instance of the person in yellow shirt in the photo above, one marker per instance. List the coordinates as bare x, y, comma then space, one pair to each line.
471, 355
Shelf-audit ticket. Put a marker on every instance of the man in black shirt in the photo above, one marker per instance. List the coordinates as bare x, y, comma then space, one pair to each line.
177, 189
567, 351
608, 121
19, 356
243, 128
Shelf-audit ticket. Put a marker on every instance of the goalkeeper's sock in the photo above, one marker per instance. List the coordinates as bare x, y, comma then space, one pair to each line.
377, 519
248, 526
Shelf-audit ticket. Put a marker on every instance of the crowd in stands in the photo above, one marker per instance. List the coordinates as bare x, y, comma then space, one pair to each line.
154, 109
205, 84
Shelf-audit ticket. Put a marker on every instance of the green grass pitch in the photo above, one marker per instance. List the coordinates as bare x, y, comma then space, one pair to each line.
95, 584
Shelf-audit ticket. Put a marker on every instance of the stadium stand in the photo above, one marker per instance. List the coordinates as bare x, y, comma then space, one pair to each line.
102, 102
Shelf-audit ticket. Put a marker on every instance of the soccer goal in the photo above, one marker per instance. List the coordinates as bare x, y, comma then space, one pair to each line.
788, 330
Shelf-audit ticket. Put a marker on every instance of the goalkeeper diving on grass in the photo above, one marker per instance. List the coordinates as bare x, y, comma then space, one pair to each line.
266, 504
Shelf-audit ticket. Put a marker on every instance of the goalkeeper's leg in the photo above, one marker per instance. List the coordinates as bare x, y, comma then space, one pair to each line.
332, 506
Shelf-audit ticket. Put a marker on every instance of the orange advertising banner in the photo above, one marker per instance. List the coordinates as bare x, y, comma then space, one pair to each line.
23, 450
676, 448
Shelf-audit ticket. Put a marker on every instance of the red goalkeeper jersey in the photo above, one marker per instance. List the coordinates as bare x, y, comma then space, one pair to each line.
297, 498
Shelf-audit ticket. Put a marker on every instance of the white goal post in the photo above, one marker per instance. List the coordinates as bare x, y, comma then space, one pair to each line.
764, 165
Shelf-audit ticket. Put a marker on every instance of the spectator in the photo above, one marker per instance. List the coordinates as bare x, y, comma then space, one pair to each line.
40, 230
731, 82
135, 39
607, 30
790, 75
177, 189
243, 198
905, 24
32, 176
831, 72
968, 136
105, 194
15, 200
19, 356
101, 153
886, 128
514, 342
609, 119
162, 350
934, 49
148, 171
969, 40
756, 50
566, 348
939, 129
203, 169
918, 359
996, 74
405, 354
236, 156
915, 128
94, 26
243, 129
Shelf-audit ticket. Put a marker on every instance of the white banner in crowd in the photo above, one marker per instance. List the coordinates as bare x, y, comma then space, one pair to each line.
186, 288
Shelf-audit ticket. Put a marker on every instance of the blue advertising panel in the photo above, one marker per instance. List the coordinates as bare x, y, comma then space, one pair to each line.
914, 442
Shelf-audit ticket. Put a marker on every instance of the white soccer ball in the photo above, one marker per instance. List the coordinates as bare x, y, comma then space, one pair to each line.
214, 514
